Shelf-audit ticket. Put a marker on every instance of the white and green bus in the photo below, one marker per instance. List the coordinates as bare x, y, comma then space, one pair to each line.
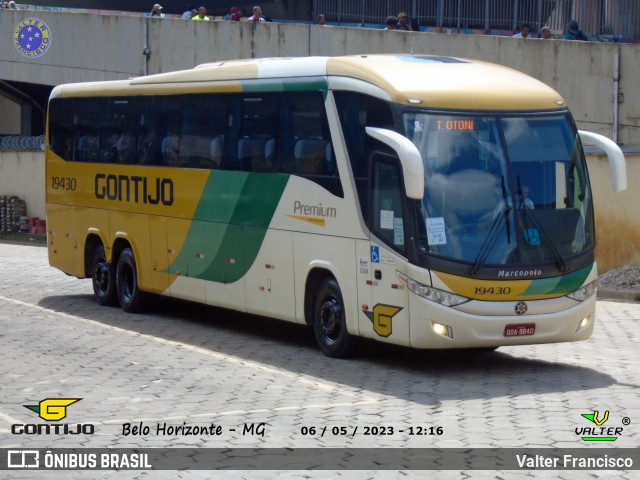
432, 202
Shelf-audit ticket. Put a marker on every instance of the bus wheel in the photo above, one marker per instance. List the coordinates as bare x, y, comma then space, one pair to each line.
103, 278
329, 323
131, 299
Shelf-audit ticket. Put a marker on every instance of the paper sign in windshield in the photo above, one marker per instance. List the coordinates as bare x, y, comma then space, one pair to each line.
386, 219
435, 231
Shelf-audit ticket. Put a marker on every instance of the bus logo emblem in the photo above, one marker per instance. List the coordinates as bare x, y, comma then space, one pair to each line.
521, 308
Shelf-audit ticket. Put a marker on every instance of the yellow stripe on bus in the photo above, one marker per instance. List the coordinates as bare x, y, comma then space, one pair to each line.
315, 220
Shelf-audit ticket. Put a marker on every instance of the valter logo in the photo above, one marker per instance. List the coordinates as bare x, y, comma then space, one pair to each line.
599, 432
52, 410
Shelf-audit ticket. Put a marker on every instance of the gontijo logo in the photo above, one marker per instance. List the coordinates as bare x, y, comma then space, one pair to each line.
53, 409
32, 37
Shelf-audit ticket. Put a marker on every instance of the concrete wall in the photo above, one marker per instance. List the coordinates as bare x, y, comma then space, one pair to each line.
88, 47
617, 219
10, 118
22, 174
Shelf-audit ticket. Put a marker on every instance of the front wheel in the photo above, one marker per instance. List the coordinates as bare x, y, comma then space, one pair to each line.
329, 321
103, 278
131, 299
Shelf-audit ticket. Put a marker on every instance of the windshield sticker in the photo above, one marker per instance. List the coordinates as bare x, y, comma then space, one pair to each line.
398, 231
532, 236
386, 219
435, 231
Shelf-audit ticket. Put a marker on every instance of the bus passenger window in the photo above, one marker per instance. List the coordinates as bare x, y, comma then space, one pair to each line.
256, 141
307, 143
311, 156
387, 202
202, 132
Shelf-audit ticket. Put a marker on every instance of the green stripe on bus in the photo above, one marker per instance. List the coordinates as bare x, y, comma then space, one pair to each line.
563, 284
229, 225
284, 85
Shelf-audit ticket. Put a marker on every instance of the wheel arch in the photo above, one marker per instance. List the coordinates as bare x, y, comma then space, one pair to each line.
93, 240
315, 277
119, 244
317, 273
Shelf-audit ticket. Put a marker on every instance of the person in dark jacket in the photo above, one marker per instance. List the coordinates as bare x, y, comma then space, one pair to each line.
574, 33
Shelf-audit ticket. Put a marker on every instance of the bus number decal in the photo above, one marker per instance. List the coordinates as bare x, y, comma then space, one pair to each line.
63, 183
493, 290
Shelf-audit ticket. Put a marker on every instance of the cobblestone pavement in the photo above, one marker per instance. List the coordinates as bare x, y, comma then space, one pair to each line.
195, 365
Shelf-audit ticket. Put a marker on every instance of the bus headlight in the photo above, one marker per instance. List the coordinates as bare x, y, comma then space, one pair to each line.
583, 293
443, 298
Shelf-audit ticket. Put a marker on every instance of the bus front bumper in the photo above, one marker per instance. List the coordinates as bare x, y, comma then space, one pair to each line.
548, 321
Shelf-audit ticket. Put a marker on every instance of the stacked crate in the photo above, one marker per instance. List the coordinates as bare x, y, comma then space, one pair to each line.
13, 215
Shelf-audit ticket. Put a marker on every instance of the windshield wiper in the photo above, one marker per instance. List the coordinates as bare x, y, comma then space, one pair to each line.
492, 236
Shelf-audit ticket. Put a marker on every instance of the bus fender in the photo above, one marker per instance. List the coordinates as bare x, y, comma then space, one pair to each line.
345, 287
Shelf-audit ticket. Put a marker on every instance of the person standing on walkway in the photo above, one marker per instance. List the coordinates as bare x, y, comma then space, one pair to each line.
545, 33
524, 32
156, 11
574, 32
202, 15
257, 15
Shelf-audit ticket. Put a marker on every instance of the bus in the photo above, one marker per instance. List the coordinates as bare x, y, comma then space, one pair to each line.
425, 201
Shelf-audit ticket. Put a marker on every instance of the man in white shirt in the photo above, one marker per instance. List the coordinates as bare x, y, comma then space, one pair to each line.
524, 31
257, 15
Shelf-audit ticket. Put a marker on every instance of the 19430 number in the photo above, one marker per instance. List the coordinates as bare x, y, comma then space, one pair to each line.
63, 183
493, 290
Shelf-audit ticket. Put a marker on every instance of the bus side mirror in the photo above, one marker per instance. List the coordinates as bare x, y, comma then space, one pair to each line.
410, 159
617, 165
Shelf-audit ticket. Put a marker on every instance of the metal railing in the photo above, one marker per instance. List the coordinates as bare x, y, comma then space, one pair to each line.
21, 143
617, 20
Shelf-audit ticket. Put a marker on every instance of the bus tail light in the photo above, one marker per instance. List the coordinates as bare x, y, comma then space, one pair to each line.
439, 296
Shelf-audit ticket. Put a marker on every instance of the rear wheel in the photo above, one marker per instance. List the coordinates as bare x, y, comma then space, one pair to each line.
103, 278
329, 321
131, 298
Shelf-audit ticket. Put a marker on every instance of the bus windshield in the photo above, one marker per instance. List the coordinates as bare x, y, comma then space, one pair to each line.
502, 189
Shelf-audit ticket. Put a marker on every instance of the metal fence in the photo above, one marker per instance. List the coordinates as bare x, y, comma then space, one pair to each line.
21, 143
617, 20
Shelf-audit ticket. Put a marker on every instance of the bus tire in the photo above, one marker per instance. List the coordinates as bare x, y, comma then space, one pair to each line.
131, 298
329, 321
103, 278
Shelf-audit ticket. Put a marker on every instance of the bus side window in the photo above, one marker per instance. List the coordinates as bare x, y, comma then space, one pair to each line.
307, 140
358, 111
256, 147
387, 212
202, 131
88, 130
61, 119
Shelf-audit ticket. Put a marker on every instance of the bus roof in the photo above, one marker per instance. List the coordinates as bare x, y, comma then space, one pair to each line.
419, 80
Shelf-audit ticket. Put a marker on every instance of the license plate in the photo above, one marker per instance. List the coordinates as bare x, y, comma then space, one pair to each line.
520, 330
